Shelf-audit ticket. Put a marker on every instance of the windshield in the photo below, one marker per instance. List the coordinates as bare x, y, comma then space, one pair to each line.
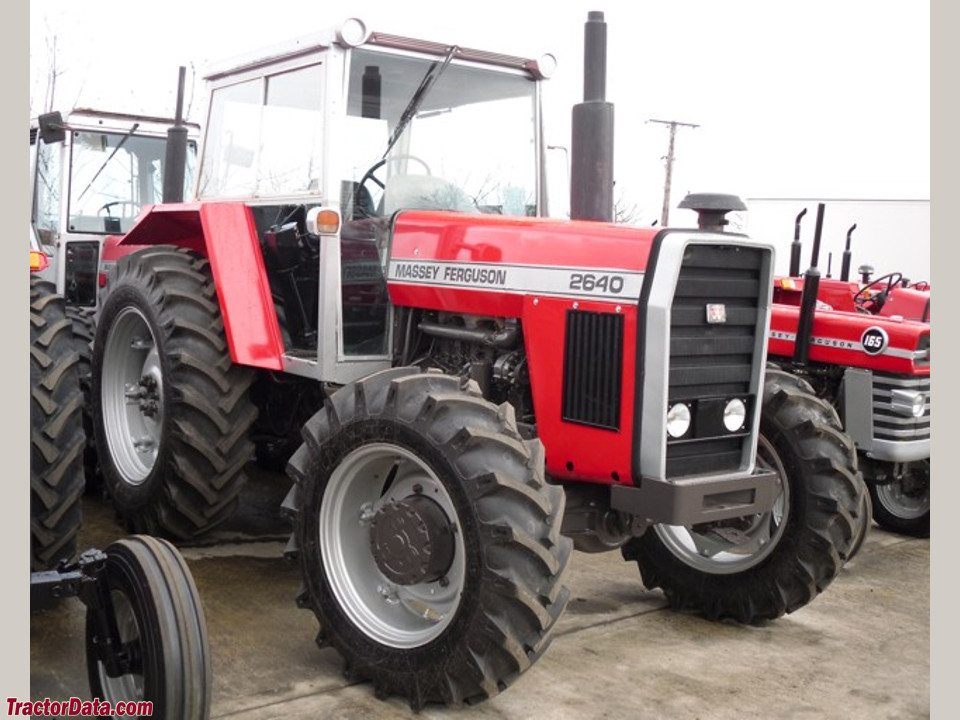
467, 141
112, 176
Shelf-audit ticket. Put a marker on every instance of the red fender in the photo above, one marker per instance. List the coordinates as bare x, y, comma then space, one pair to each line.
225, 234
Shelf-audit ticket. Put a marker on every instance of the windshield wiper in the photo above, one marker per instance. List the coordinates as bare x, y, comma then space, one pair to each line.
106, 162
432, 75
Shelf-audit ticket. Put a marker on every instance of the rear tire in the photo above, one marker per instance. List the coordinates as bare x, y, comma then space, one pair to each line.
161, 622
760, 567
171, 411
84, 329
56, 431
459, 611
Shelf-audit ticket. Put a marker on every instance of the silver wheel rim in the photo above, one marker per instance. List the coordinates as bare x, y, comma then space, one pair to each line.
130, 686
729, 547
400, 616
901, 504
132, 396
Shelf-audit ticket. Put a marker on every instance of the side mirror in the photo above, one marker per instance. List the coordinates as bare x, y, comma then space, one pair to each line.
52, 129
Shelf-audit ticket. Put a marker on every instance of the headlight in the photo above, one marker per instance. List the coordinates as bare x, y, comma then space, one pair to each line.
734, 415
678, 420
908, 403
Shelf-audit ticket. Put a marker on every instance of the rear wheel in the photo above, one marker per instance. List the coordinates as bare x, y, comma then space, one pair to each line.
171, 411
903, 504
56, 431
762, 566
162, 631
429, 542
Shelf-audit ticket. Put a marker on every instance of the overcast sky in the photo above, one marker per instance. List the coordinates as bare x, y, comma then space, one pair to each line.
813, 99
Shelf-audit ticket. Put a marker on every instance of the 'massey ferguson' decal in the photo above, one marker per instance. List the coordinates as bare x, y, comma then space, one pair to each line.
873, 342
622, 285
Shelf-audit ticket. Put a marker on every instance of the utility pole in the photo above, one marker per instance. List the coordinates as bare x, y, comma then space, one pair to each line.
665, 215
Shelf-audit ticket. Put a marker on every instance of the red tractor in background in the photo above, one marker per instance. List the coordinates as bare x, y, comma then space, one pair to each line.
865, 348
367, 283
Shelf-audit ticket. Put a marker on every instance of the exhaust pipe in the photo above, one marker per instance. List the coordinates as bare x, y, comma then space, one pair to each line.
795, 246
591, 152
175, 162
808, 301
845, 265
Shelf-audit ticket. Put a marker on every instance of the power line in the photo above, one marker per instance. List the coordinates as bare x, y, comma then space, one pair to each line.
674, 124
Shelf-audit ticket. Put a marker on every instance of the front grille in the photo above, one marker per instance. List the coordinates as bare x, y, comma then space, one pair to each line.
592, 363
888, 423
710, 361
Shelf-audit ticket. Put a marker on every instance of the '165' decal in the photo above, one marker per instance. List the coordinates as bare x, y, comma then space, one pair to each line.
874, 340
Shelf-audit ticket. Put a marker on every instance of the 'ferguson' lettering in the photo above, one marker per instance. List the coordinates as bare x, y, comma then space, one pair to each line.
475, 276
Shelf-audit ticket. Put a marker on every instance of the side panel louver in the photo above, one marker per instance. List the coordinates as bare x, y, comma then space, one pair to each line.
592, 365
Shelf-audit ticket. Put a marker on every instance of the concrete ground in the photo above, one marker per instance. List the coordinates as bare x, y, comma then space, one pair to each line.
859, 650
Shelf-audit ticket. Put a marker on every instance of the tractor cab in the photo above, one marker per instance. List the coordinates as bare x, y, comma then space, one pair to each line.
92, 174
362, 124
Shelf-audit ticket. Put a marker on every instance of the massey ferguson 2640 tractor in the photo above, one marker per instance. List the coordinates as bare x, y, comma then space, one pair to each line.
368, 274
865, 348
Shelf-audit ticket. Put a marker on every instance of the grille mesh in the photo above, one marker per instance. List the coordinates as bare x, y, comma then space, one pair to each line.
888, 423
713, 360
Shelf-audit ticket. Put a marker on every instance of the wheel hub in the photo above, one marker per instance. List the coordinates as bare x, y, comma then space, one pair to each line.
412, 540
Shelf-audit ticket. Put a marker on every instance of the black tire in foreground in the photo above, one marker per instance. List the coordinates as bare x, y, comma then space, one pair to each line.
171, 411
903, 504
56, 431
759, 567
428, 540
162, 629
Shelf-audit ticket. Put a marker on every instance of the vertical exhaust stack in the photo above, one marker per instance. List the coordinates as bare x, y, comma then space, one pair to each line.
845, 267
175, 162
808, 301
591, 181
795, 246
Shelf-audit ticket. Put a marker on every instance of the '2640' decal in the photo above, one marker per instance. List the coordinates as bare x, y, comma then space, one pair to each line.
593, 282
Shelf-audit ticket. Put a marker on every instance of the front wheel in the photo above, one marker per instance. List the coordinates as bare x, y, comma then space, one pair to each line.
759, 567
162, 631
903, 504
428, 539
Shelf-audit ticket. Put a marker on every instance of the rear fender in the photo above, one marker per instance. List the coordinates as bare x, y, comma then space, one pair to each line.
224, 233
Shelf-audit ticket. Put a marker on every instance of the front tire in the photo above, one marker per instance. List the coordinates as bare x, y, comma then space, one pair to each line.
469, 601
903, 504
162, 627
56, 431
759, 567
171, 411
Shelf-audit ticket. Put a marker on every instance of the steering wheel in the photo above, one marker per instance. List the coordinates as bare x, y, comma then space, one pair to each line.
370, 175
134, 208
869, 301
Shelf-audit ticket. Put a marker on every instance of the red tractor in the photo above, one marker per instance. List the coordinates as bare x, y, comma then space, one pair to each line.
367, 282
865, 348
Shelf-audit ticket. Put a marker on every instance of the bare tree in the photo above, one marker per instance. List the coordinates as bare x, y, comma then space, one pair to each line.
625, 212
